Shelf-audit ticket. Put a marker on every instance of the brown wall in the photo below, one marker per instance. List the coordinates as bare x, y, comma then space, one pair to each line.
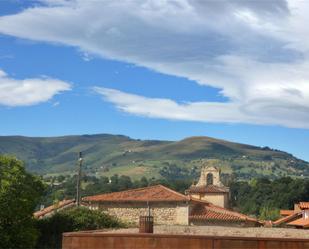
159, 241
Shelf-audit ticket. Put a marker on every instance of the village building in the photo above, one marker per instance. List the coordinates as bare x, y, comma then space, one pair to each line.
167, 206
210, 188
299, 217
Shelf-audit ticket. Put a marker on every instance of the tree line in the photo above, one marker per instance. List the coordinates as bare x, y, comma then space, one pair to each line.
20, 195
264, 198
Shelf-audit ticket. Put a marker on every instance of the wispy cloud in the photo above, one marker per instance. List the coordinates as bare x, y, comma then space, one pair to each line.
232, 112
26, 92
256, 52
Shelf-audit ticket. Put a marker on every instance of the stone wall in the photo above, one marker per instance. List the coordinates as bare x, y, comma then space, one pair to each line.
164, 213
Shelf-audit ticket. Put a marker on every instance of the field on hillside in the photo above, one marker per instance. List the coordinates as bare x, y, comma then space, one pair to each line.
115, 154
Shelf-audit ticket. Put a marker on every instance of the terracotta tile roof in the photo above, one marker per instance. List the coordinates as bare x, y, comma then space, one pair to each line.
212, 212
207, 189
49, 210
288, 218
304, 205
286, 212
157, 193
300, 223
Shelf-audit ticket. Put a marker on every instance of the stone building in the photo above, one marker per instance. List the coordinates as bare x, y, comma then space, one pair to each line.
166, 206
210, 188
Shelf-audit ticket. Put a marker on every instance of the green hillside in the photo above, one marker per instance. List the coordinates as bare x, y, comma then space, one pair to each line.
109, 154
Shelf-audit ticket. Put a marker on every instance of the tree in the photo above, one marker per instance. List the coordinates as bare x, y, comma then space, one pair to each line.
124, 183
60, 178
174, 172
269, 213
264, 198
143, 182
19, 195
75, 219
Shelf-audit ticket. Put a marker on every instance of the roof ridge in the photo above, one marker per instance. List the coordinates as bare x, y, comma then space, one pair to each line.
128, 190
286, 218
53, 207
150, 193
175, 192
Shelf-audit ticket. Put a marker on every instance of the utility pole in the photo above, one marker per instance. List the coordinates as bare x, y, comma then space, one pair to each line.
79, 173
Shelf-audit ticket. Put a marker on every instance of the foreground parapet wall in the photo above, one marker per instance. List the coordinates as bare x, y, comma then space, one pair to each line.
95, 240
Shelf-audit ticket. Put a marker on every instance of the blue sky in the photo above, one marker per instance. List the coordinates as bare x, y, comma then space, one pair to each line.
83, 67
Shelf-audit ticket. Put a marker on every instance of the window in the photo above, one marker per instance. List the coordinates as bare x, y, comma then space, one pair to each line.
210, 179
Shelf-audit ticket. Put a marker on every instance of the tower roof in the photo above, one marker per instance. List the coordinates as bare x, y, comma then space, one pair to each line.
207, 189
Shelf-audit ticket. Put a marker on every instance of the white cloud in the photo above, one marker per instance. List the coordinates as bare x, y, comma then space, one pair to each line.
169, 109
256, 52
26, 92
232, 112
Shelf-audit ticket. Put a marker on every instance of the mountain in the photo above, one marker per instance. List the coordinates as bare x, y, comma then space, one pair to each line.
106, 154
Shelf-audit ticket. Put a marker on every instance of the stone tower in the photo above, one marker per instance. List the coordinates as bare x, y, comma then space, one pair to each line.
210, 188
210, 175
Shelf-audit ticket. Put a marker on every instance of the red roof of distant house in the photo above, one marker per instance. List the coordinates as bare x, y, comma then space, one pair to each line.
288, 218
286, 212
53, 208
304, 205
157, 193
300, 223
213, 212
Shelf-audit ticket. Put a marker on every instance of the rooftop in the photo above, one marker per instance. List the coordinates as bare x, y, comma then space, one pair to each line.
48, 210
300, 223
207, 189
284, 212
157, 193
213, 212
304, 205
288, 218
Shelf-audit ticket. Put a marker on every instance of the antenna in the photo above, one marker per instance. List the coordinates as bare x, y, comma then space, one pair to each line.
79, 172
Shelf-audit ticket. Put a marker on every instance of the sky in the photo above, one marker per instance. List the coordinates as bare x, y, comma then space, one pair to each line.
157, 69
